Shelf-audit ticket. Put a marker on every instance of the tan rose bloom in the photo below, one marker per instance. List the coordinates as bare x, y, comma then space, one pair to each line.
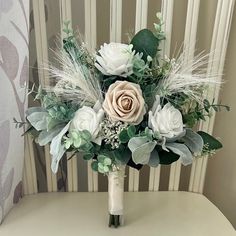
124, 102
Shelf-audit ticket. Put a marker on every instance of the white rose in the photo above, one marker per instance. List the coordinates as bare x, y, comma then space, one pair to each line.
115, 59
87, 118
167, 121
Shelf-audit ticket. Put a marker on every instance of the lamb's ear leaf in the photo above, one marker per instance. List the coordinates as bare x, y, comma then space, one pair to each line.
57, 149
142, 154
141, 149
154, 160
146, 43
38, 120
211, 142
193, 141
47, 136
181, 150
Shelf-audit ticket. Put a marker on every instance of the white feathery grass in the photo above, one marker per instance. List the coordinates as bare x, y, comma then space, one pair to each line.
190, 77
74, 80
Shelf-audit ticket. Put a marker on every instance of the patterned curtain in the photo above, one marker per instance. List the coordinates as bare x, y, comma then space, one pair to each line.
14, 69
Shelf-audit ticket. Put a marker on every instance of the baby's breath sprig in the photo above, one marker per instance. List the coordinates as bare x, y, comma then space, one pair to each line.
111, 130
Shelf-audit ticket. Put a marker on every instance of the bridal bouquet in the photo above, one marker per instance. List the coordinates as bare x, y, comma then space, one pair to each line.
124, 105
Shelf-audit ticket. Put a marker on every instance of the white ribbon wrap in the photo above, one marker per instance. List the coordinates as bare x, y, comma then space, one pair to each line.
116, 191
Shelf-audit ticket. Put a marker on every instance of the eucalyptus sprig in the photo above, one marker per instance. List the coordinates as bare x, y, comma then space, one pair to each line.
79, 140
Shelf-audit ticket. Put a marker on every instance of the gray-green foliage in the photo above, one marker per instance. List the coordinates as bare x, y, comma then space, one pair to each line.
211, 142
79, 140
38, 120
193, 141
103, 164
154, 160
159, 32
46, 136
57, 149
53, 112
141, 148
180, 149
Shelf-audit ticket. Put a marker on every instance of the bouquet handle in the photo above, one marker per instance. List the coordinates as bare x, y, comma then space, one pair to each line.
116, 197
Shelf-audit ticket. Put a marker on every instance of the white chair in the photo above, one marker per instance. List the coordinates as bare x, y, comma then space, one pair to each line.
154, 212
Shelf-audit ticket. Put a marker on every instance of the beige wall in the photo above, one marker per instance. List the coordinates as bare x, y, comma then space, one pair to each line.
220, 185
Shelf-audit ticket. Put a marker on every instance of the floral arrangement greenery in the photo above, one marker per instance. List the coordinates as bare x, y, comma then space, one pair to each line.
125, 105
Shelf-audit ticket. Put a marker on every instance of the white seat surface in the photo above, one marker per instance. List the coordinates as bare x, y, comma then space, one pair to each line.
146, 214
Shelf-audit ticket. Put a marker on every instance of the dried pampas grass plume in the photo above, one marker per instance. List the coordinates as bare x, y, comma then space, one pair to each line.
75, 80
189, 77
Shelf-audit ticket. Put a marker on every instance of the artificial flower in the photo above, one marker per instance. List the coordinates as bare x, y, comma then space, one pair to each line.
115, 59
166, 121
87, 118
124, 102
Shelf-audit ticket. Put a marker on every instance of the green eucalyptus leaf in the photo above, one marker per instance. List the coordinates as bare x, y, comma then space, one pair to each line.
86, 147
88, 156
68, 143
146, 43
106, 169
123, 136
77, 142
85, 134
131, 131
210, 141
100, 165
94, 165
107, 161
101, 158
149, 133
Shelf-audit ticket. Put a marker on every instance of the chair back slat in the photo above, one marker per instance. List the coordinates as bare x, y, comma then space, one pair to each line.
72, 171
167, 7
29, 176
219, 44
140, 23
115, 20
42, 59
91, 39
189, 48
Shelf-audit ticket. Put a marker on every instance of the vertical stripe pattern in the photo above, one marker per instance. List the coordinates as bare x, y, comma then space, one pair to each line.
189, 48
91, 40
219, 44
42, 58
